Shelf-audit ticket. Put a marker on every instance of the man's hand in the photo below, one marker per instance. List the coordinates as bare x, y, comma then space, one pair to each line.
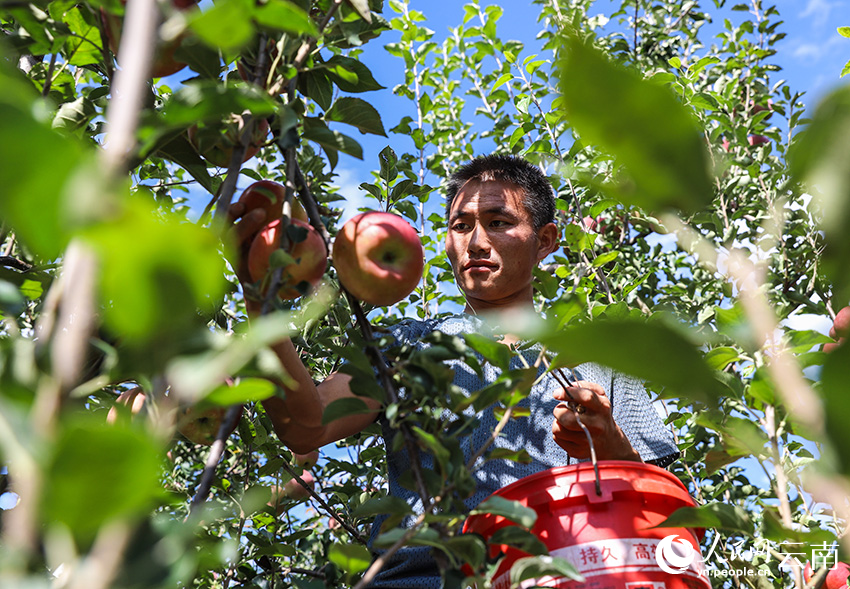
588, 402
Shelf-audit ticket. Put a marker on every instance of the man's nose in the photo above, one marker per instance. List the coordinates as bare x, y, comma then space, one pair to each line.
478, 241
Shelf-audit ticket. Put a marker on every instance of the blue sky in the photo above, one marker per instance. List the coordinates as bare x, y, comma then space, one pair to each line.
811, 55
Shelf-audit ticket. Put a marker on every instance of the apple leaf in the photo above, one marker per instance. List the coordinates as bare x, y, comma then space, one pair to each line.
642, 124
495, 353
513, 510
819, 159
343, 407
519, 538
388, 505
350, 557
535, 567
358, 113
207, 101
283, 15
98, 473
833, 388
713, 515
350, 75
362, 8
247, 390
333, 141
665, 356
180, 151
227, 25
42, 207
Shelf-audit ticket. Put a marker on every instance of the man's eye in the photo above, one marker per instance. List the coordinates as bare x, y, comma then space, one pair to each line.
459, 226
499, 223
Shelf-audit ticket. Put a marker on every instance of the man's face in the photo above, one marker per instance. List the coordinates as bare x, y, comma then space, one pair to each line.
493, 246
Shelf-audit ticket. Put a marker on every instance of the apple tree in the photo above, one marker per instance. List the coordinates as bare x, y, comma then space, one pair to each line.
702, 209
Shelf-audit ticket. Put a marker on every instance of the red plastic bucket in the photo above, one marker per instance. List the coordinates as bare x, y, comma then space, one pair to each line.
610, 537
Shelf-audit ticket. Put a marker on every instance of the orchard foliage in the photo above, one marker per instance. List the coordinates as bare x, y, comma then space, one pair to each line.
718, 214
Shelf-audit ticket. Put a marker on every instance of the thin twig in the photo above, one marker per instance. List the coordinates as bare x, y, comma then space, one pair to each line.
216, 452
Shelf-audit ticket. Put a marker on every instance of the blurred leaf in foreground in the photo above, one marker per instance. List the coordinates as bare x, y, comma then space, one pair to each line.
642, 124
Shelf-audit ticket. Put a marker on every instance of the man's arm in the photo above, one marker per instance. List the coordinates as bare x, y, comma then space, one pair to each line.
297, 419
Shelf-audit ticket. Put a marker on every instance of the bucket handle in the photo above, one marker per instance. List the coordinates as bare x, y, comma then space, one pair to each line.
567, 381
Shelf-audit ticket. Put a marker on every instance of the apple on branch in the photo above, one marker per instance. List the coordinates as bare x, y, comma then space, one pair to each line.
309, 255
836, 578
378, 257
269, 196
201, 426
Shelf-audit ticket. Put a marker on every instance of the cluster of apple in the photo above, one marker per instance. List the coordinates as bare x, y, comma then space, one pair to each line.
840, 329
198, 425
378, 256
754, 140
837, 577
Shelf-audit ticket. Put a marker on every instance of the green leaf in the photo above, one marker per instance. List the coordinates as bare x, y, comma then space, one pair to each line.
350, 557
512, 510
247, 390
84, 46
666, 358
844, 31
358, 113
362, 8
819, 159
226, 25
833, 387
180, 151
342, 407
495, 353
316, 130
383, 505
773, 529
713, 515
153, 287
535, 567
209, 101
433, 445
285, 16
98, 473
519, 538
721, 357
642, 124
605, 258
317, 85
350, 75
469, 547
43, 208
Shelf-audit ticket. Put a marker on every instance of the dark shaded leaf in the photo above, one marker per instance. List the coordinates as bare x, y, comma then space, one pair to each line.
513, 510
357, 113
713, 515
535, 567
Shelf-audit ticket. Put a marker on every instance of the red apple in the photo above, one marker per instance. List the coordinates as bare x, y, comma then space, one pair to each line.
134, 399
757, 108
589, 223
310, 255
757, 140
841, 325
269, 196
308, 460
836, 578
378, 257
294, 490
725, 145
201, 425
216, 142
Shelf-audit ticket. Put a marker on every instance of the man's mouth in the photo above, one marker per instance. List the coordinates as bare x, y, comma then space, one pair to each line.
479, 266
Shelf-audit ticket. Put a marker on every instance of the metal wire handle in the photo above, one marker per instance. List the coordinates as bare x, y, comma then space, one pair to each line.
566, 382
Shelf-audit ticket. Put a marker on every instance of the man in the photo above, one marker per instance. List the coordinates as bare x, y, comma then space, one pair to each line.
500, 212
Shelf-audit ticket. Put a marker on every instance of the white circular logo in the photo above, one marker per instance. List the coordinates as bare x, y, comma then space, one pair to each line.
674, 557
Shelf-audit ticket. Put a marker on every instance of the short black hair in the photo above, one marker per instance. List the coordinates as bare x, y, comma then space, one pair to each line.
538, 195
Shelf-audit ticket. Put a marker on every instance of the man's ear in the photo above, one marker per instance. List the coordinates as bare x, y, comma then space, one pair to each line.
547, 240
